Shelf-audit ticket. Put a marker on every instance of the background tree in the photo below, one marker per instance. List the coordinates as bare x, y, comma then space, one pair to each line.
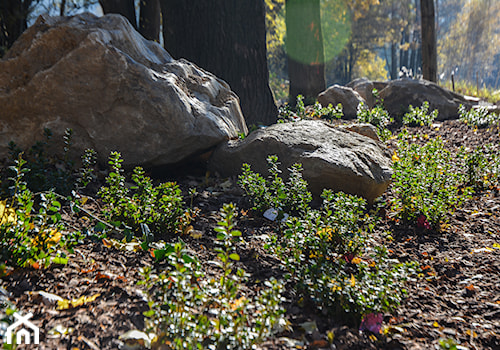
470, 44
227, 38
125, 8
13, 21
429, 47
304, 46
149, 19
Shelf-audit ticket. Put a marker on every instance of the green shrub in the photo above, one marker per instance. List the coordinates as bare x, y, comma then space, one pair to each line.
477, 117
377, 116
190, 312
30, 224
482, 167
426, 184
289, 197
420, 116
325, 251
287, 114
330, 263
160, 208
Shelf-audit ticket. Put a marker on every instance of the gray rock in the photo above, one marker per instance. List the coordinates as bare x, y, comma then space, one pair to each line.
364, 129
400, 94
332, 157
364, 88
349, 99
115, 89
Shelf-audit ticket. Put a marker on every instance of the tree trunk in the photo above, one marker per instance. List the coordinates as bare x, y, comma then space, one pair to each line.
429, 49
149, 19
13, 15
62, 8
228, 39
125, 8
304, 44
394, 62
403, 53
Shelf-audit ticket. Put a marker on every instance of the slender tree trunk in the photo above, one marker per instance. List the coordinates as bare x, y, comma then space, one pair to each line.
125, 8
429, 49
403, 53
149, 19
62, 8
13, 15
394, 61
306, 58
228, 39
416, 60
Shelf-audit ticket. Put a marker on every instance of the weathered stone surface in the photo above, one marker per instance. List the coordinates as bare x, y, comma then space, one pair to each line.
332, 157
349, 99
364, 129
364, 88
400, 94
115, 89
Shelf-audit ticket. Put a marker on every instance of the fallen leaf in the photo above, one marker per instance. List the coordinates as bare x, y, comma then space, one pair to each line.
395, 157
66, 304
135, 339
319, 344
47, 298
469, 333
352, 280
481, 250
470, 287
60, 330
356, 260
7, 215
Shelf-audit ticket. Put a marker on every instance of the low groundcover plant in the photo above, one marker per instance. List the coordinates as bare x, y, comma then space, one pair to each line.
325, 250
188, 311
427, 185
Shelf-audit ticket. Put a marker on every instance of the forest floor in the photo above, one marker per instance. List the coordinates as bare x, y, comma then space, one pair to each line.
456, 300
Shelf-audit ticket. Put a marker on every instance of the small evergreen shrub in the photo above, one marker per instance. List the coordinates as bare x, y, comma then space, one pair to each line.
187, 311
30, 225
289, 197
420, 116
482, 167
377, 116
325, 251
477, 117
160, 208
426, 185
287, 114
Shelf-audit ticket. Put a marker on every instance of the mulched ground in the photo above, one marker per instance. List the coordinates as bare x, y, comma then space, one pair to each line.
458, 296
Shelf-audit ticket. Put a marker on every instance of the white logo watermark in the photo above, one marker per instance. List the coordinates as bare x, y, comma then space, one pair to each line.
23, 335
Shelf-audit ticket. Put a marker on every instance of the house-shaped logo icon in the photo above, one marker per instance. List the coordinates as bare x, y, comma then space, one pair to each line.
23, 335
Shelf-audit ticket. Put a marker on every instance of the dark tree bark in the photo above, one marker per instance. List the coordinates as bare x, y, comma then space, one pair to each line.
13, 15
304, 44
403, 53
429, 49
228, 39
62, 9
149, 19
394, 62
125, 8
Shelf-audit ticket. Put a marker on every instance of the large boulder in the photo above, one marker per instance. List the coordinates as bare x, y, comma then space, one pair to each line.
115, 89
332, 157
349, 99
365, 87
399, 94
